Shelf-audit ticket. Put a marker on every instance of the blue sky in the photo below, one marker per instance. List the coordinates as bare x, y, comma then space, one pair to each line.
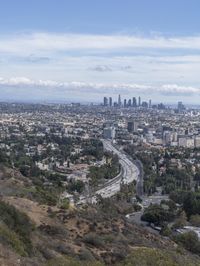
103, 17
83, 50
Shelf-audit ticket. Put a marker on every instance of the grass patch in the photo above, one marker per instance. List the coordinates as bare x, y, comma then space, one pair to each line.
10, 238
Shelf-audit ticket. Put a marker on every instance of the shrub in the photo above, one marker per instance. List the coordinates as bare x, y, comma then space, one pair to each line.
94, 240
53, 230
195, 220
181, 221
12, 239
156, 214
65, 204
86, 255
166, 231
18, 222
189, 241
67, 261
154, 257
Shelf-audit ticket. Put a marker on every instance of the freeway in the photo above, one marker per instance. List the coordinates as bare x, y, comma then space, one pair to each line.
129, 173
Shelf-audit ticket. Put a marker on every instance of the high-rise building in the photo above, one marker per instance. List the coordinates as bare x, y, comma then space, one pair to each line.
181, 107
134, 104
150, 103
124, 102
119, 101
109, 132
145, 104
105, 101
129, 103
110, 101
132, 126
161, 106
139, 101
174, 137
167, 137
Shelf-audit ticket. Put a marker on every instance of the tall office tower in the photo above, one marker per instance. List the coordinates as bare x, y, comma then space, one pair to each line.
129, 103
161, 106
110, 101
134, 102
145, 104
167, 137
124, 102
132, 126
149, 103
119, 101
139, 101
105, 101
181, 107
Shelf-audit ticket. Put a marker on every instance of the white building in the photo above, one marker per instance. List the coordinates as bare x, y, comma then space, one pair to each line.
158, 141
109, 132
197, 141
186, 142
190, 143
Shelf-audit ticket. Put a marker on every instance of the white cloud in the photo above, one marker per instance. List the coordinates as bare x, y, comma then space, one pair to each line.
23, 81
99, 88
52, 42
103, 63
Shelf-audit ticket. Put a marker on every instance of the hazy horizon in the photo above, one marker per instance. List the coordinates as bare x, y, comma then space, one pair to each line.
82, 51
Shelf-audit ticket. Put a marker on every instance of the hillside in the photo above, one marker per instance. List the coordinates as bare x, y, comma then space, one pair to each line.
32, 233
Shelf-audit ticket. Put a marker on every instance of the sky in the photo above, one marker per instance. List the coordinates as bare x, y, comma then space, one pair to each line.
75, 50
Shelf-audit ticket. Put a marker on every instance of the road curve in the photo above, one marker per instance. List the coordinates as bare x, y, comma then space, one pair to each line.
129, 173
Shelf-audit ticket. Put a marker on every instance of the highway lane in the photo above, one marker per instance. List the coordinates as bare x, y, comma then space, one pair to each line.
129, 173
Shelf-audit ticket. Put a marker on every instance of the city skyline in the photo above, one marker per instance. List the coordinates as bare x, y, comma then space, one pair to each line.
79, 51
136, 102
99, 132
